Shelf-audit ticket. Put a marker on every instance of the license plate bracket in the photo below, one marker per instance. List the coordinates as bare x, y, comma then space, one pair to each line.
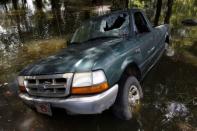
44, 108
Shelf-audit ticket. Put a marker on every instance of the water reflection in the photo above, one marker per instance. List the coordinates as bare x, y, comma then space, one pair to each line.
28, 26
175, 109
30, 30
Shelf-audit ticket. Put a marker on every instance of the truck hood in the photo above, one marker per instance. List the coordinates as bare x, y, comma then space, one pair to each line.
75, 58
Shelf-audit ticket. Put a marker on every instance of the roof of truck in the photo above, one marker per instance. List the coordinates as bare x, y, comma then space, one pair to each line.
115, 12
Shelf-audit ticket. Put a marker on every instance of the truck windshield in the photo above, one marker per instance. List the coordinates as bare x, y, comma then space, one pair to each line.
116, 25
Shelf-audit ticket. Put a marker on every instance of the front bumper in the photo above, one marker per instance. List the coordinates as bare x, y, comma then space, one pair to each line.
93, 104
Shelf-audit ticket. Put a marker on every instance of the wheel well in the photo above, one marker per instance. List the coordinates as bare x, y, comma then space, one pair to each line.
167, 39
132, 69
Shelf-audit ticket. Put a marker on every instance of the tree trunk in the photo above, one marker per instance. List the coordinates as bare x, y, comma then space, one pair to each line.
57, 21
97, 2
24, 2
169, 12
15, 4
158, 12
126, 4
6, 8
120, 4
115, 4
39, 4
17, 18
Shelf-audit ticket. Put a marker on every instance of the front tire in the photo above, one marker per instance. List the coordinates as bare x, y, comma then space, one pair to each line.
129, 97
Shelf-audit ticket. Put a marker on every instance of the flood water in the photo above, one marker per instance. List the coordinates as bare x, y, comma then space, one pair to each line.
35, 30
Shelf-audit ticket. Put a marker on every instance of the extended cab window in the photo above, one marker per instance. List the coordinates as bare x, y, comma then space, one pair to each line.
141, 25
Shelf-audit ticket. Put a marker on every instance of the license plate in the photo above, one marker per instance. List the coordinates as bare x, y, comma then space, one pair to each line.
44, 108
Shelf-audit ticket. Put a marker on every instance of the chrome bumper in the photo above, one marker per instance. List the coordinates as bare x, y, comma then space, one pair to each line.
78, 105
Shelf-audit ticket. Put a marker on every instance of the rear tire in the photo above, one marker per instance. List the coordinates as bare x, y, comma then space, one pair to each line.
129, 97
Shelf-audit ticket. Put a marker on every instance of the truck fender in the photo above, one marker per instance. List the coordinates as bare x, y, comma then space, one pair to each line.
130, 63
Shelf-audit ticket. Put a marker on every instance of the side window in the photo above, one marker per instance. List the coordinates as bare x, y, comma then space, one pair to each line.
141, 25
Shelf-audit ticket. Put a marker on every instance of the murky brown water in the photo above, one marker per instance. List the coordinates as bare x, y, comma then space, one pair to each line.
34, 32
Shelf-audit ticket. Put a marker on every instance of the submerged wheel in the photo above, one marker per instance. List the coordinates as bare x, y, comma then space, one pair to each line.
128, 99
133, 97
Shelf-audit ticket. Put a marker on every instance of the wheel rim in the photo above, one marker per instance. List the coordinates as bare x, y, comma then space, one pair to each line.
134, 96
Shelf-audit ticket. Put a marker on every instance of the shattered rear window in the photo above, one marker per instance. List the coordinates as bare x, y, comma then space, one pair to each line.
114, 22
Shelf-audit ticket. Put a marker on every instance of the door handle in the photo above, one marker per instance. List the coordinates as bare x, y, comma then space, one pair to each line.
151, 50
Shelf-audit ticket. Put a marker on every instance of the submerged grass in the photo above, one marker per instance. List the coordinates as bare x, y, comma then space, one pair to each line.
27, 53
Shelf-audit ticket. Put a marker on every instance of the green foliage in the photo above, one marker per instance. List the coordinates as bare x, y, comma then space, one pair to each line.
136, 3
184, 9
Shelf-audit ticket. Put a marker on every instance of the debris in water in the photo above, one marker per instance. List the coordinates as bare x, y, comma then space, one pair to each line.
175, 109
189, 22
169, 51
5, 84
185, 126
8, 93
195, 101
9, 120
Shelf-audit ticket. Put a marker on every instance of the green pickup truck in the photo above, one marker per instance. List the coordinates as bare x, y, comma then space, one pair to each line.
102, 67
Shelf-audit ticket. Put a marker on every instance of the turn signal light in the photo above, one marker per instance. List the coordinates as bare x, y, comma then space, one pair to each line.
90, 89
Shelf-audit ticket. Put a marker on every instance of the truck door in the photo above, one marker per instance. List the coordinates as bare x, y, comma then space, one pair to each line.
145, 38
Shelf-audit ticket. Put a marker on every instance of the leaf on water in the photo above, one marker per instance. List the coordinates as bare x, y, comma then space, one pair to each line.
5, 84
9, 120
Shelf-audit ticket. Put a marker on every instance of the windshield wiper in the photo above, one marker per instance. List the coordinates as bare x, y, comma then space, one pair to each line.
74, 43
100, 37
92, 39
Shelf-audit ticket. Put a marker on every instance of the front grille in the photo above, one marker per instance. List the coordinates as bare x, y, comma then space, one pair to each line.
48, 85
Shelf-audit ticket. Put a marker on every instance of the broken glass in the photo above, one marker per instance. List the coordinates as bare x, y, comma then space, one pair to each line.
115, 25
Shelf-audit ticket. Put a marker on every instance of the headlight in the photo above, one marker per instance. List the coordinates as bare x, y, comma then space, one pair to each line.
21, 84
98, 77
89, 82
82, 79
